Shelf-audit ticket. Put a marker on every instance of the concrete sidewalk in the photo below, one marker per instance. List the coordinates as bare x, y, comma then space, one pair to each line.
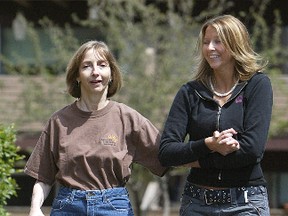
24, 210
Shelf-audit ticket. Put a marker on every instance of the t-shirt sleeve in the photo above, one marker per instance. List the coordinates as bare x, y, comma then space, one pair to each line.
147, 148
41, 164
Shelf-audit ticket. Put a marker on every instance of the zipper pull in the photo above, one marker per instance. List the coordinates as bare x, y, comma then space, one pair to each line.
220, 175
218, 117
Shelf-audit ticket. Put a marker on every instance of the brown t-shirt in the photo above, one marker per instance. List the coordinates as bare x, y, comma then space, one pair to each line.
94, 150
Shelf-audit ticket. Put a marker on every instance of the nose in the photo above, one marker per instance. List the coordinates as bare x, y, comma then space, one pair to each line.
211, 46
96, 70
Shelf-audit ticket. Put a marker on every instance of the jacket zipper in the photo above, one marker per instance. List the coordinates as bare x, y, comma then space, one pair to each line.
217, 126
218, 117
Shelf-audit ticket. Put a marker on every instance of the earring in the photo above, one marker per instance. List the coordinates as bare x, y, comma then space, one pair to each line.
110, 82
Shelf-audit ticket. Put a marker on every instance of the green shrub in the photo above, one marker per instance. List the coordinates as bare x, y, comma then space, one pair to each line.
8, 157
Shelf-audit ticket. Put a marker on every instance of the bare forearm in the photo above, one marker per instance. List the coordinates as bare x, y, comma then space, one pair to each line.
40, 193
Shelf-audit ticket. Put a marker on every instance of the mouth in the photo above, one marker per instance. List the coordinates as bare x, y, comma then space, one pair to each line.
213, 56
95, 81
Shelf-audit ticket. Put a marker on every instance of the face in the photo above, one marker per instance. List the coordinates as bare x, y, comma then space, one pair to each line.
214, 51
94, 74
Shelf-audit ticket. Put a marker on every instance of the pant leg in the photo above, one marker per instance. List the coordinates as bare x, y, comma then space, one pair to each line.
257, 205
66, 203
115, 202
72, 202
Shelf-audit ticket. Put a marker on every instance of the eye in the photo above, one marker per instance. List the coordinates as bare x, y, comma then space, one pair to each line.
103, 63
86, 66
205, 42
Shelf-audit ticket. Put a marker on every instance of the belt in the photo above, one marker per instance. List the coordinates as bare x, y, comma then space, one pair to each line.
222, 196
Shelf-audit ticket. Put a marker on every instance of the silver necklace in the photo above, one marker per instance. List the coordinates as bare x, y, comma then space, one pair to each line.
222, 94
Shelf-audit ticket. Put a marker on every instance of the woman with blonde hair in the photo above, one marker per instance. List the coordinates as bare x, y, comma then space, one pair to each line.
225, 112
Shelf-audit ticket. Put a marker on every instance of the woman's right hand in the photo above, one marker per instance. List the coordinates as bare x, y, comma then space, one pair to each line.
223, 142
40, 192
36, 212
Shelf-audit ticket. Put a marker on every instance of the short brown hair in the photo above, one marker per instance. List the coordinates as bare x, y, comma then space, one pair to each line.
72, 70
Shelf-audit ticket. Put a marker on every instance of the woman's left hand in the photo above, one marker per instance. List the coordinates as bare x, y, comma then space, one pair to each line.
194, 164
224, 142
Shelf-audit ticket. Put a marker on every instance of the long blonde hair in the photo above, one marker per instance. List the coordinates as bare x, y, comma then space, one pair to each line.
235, 38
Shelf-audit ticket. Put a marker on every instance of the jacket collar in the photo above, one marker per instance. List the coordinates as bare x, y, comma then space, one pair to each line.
206, 93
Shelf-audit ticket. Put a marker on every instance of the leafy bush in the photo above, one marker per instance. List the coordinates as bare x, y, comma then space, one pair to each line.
8, 157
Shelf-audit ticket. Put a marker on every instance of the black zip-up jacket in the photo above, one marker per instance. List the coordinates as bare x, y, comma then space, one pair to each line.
195, 115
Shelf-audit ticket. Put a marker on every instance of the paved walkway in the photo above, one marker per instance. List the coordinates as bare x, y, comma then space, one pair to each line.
24, 210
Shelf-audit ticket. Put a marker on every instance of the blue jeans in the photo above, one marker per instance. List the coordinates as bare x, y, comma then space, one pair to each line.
107, 202
243, 201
